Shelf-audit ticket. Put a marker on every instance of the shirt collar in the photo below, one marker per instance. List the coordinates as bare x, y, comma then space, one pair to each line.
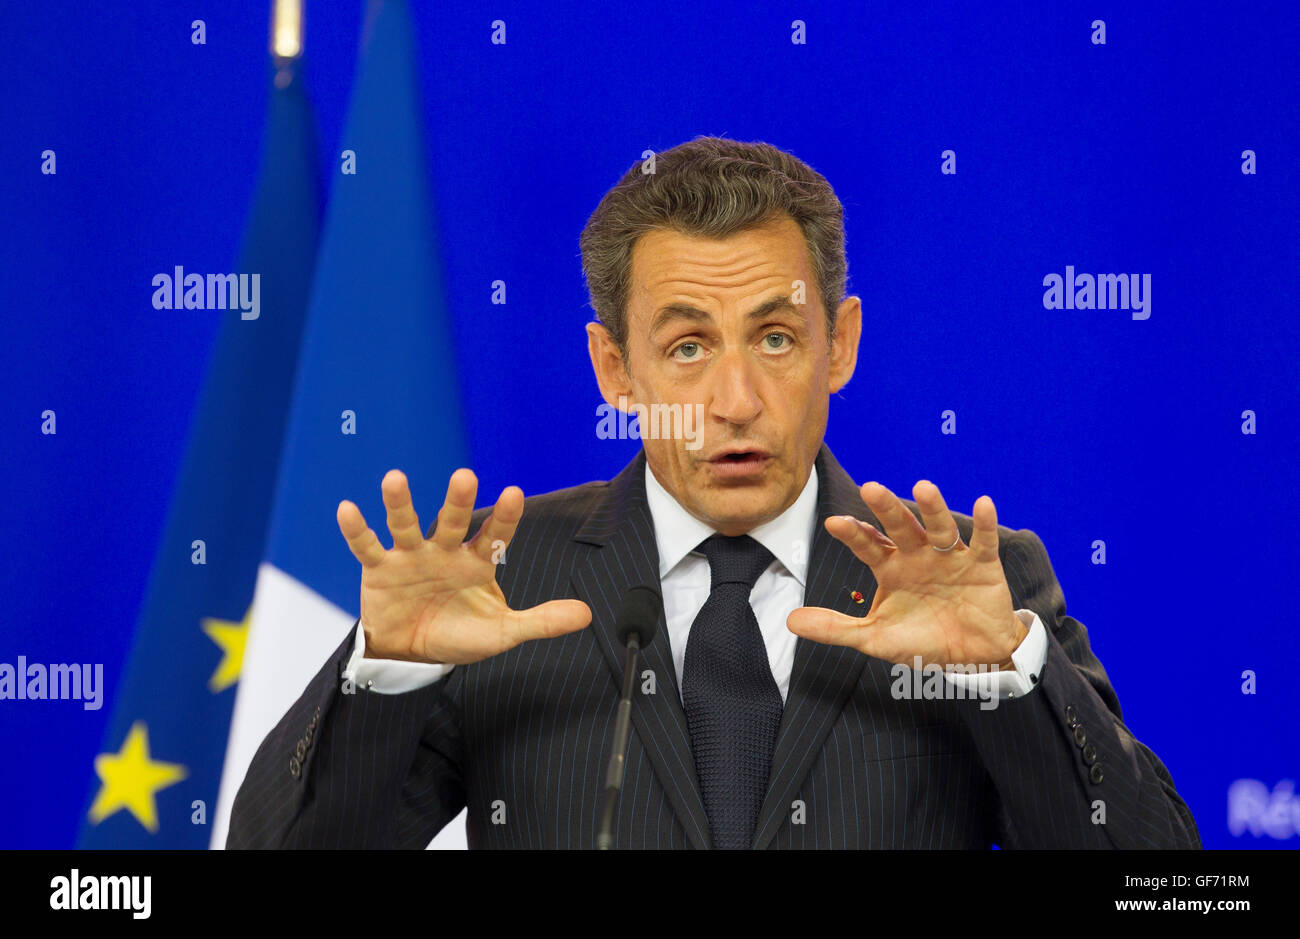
788, 536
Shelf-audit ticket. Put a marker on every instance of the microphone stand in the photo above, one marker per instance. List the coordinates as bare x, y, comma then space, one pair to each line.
618, 757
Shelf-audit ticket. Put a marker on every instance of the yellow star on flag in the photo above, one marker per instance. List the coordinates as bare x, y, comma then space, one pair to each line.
130, 780
231, 638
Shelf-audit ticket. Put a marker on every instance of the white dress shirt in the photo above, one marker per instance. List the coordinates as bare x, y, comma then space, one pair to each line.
685, 583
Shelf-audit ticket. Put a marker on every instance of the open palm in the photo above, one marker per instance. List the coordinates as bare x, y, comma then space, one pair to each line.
436, 599
936, 597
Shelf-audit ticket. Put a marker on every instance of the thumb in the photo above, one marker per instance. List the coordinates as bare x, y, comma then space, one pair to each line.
822, 625
547, 620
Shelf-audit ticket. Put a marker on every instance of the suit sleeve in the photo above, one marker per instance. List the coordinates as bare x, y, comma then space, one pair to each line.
1067, 772
349, 768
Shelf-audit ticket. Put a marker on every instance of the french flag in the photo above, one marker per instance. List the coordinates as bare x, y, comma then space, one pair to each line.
376, 388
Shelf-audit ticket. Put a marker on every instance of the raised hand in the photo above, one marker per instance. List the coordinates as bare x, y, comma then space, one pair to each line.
936, 597
436, 599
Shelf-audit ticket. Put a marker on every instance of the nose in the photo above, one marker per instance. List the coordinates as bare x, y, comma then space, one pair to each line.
734, 399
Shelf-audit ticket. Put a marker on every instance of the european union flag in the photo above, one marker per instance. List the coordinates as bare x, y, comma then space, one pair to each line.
156, 780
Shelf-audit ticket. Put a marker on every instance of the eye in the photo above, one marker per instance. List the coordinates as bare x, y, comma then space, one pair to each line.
687, 351
782, 341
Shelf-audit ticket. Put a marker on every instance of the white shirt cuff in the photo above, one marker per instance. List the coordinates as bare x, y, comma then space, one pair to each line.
1029, 658
389, 676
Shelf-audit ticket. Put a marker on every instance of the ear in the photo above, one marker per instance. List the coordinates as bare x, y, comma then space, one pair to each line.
607, 363
844, 347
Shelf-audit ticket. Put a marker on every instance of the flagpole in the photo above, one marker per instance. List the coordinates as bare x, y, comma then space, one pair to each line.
286, 31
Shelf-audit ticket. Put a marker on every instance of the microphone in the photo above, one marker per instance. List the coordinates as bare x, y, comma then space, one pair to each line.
635, 627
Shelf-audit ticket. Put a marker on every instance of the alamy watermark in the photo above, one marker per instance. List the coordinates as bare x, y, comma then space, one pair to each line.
651, 422
79, 891
946, 682
181, 291
1098, 292
36, 682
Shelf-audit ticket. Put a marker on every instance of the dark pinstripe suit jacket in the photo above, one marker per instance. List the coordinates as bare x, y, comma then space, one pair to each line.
522, 738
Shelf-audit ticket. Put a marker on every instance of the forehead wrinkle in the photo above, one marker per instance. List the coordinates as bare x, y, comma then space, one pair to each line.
699, 256
693, 273
675, 290
720, 273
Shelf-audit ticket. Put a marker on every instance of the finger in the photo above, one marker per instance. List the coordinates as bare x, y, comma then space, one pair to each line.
500, 525
362, 542
457, 509
402, 521
839, 629
894, 643
900, 524
862, 538
940, 527
546, 621
984, 539
826, 626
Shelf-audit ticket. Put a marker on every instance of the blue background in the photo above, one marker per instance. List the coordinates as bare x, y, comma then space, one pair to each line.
1081, 425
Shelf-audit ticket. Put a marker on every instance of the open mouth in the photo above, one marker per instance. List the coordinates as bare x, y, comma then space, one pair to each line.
739, 463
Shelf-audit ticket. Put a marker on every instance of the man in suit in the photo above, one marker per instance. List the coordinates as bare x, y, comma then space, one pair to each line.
776, 705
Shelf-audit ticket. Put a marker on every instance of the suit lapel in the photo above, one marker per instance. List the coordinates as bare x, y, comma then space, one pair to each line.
823, 676
621, 527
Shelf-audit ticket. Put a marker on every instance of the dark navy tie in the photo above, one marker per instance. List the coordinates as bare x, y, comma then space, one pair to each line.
733, 706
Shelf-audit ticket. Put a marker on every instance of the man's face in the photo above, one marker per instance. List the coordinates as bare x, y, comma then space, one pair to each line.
721, 324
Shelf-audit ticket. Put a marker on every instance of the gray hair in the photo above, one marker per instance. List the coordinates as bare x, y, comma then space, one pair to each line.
711, 187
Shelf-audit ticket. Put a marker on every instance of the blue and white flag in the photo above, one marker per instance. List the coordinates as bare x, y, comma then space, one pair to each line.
377, 389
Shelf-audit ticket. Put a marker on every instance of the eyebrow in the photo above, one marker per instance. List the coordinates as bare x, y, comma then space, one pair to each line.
672, 311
